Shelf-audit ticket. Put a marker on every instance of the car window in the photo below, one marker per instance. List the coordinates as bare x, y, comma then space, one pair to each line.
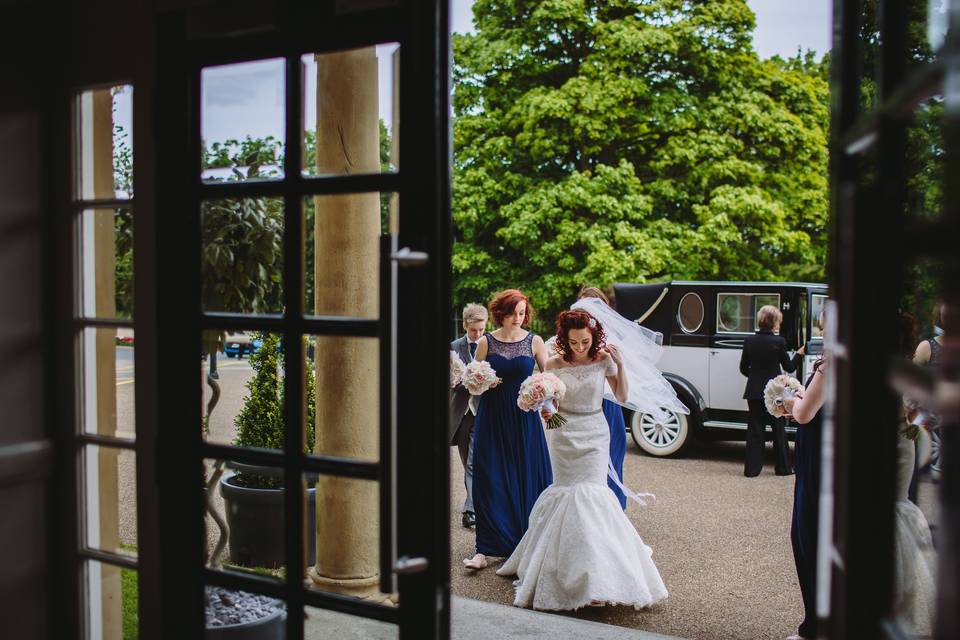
737, 312
816, 304
690, 312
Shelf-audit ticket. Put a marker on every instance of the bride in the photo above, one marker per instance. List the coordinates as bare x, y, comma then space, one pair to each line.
580, 549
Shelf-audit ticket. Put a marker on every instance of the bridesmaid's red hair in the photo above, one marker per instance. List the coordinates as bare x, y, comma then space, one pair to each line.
504, 304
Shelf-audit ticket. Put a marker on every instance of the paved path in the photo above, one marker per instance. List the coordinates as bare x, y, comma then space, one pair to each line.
721, 542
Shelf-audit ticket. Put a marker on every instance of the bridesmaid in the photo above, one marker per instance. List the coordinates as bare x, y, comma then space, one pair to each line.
807, 411
614, 415
511, 465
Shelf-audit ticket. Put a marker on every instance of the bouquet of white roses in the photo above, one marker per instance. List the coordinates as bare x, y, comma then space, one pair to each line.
538, 391
457, 369
478, 377
777, 389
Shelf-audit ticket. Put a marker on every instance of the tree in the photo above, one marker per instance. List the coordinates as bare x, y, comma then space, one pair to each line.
631, 140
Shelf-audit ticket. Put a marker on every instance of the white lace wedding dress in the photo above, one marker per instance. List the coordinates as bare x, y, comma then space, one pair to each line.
580, 548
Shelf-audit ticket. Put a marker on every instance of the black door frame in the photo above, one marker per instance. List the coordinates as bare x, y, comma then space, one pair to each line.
423, 301
872, 243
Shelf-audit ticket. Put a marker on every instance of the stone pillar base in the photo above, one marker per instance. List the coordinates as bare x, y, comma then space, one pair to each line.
367, 587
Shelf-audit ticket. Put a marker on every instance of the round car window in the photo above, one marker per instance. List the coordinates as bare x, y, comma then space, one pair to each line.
690, 312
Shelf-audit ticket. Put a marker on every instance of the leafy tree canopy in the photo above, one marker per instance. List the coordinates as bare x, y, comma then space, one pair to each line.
632, 140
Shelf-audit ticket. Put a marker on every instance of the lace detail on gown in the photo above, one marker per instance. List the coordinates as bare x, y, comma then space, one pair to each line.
510, 350
580, 548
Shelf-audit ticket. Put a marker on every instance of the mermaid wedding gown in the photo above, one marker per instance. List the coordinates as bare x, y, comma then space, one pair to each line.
580, 548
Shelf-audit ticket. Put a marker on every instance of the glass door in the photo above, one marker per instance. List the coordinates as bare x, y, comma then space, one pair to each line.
304, 260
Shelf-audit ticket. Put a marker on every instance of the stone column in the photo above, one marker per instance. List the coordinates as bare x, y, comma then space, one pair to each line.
347, 231
104, 261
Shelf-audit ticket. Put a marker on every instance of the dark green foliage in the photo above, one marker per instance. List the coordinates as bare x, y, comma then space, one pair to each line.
632, 140
260, 421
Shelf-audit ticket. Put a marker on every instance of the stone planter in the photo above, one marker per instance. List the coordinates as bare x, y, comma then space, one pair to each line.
256, 521
269, 627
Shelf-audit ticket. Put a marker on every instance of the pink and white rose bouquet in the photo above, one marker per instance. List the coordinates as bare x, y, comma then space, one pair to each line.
457, 369
540, 390
777, 389
478, 377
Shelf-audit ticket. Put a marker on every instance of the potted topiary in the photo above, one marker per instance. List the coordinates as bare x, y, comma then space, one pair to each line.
254, 496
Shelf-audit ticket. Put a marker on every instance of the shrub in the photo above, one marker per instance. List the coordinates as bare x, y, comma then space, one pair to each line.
260, 421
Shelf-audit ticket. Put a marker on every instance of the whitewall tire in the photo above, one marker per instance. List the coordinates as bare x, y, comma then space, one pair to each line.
660, 437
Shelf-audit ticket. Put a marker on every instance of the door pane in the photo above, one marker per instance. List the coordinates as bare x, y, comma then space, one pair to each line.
250, 500
242, 255
350, 111
104, 241
347, 539
107, 375
916, 508
242, 374
242, 120
104, 134
112, 596
346, 397
109, 499
342, 247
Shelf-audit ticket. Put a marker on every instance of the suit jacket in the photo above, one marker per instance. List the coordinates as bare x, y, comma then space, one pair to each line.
763, 355
459, 396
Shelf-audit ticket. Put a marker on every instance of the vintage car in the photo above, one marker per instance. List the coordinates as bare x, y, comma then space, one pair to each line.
703, 326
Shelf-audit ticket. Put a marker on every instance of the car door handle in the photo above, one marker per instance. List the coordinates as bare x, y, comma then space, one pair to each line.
407, 258
407, 565
713, 353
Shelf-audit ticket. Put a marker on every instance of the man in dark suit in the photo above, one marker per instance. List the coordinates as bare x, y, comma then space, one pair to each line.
763, 355
463, 406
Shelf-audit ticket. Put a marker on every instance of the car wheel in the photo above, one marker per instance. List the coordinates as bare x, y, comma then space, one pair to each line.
658, 437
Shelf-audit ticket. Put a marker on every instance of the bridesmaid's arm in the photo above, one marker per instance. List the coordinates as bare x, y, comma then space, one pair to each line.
804, 408
539, 352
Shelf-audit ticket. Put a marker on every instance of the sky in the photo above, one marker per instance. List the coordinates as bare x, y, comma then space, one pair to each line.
247, 99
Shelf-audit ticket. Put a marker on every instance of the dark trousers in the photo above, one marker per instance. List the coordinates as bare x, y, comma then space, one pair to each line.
757, 436
464, 440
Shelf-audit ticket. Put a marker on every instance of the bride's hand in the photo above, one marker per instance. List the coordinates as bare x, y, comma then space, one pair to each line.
546, 414
615, 354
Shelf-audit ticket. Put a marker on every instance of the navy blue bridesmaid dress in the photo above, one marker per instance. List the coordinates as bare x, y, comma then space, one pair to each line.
806, 516
511, 463
618, 445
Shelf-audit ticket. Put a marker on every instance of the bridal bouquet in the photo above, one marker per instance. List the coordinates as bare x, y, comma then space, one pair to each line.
539, 390
457, 369
777, 389
478, 376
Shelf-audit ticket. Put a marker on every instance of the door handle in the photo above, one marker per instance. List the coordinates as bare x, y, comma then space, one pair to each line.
713, 352
407, 258
407, 565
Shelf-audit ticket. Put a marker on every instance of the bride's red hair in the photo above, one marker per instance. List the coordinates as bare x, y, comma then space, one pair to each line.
578, 319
